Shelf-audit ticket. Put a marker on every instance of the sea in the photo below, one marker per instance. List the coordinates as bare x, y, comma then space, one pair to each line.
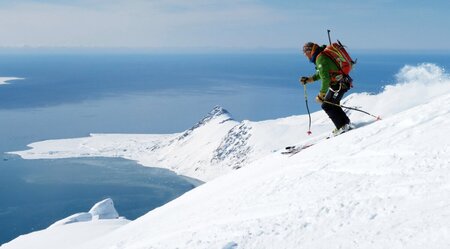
67, 94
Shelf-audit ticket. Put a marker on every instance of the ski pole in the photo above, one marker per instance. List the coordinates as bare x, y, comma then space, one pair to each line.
352, 108
307, 108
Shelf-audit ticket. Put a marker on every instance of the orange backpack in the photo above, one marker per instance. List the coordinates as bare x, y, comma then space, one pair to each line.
336, 52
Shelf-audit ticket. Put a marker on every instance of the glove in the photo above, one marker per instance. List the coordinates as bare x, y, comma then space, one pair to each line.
320, 97
304, 80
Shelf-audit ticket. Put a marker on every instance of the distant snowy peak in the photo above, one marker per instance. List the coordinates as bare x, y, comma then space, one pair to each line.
217, 111
101, 210
217, 114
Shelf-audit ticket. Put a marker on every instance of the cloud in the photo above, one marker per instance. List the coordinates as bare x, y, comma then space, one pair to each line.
132, 23
217, 23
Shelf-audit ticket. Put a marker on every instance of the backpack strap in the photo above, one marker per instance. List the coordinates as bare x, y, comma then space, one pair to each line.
346, 79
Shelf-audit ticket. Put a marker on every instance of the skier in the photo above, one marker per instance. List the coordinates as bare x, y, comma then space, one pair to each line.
334, 85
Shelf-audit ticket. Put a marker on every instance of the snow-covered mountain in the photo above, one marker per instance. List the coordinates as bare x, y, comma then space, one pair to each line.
384, 185
214, 146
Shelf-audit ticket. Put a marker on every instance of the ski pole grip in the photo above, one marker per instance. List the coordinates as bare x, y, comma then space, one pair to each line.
329, 38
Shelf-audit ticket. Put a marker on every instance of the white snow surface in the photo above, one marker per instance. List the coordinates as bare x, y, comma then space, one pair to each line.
76, 229
385, 184
101, 210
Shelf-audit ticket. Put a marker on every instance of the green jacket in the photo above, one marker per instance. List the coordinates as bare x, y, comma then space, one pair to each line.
326, 69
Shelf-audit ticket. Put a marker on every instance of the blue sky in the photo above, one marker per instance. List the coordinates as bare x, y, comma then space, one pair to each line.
247, 24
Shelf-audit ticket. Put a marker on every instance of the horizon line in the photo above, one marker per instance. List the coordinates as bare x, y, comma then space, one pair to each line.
205, 49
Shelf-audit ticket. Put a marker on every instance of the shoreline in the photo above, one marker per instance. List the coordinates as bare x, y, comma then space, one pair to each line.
195, 182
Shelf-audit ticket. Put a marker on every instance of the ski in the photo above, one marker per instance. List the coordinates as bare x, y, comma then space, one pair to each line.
294, 149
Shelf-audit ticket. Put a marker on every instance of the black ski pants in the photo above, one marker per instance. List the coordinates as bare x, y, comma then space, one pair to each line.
336, 114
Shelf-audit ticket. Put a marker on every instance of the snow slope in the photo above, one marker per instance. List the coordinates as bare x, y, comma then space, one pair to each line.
383, 185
